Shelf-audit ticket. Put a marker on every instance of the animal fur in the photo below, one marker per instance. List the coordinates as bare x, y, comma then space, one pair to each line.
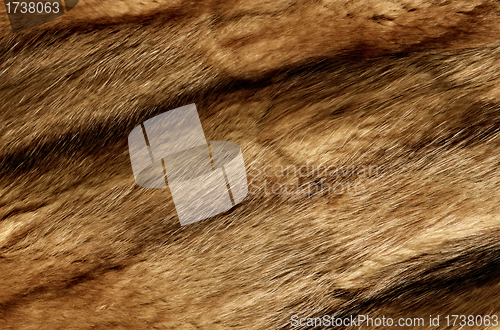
410, 88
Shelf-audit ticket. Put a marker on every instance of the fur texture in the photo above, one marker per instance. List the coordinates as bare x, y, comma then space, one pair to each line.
409, 89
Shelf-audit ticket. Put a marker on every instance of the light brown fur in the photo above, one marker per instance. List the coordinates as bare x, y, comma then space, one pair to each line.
408, 87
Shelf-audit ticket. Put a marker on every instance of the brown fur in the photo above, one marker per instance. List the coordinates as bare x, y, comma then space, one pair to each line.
410, 88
